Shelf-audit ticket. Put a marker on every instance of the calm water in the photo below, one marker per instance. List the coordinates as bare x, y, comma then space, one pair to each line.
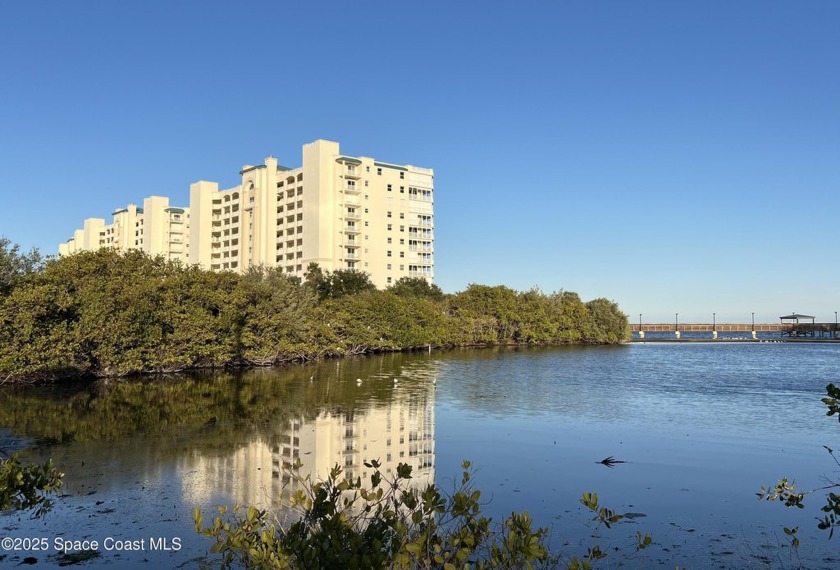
700, 426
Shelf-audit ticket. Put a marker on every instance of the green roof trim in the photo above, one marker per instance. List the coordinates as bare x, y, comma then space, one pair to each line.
139, 210
281, 168
120, 211
348, 160
394, 166
249, 169
175, 210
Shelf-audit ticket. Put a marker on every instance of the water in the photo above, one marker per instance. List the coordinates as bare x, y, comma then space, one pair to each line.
701, 427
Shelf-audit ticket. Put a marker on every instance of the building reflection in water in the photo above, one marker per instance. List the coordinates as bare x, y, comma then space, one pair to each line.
400, 430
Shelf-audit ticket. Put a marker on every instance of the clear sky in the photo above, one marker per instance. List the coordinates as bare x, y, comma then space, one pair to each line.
675, 157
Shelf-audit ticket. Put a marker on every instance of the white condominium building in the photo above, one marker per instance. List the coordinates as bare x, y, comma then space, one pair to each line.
155, 228
337, 211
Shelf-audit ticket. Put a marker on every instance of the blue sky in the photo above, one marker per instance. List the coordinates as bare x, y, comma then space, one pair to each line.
675, 157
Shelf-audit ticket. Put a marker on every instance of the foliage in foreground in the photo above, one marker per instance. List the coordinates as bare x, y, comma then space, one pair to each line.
28, 487
786, 492
108, 313
389, 524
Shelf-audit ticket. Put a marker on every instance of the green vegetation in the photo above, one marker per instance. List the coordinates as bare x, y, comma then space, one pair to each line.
106, 313
28, 487
343, 523
786, 493
15, 266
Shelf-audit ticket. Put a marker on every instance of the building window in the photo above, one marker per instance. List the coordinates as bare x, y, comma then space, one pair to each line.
402, 254
402, 175
402, 189
389, 214
366, 182
389, 282
389, 187
389, 227
402, 216
367, 168
389, 240
388, 267
389, 253
402, 228
402, 241
402, 267
379, 171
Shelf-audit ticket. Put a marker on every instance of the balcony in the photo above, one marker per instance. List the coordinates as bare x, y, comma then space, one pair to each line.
421, 274
352, 189
351, 173
353, 229
354, 217
351, 256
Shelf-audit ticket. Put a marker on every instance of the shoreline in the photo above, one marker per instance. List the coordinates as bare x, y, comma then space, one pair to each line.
298, 361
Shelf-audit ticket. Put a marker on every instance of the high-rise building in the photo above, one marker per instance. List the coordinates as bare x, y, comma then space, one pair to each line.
337, 211
156, 228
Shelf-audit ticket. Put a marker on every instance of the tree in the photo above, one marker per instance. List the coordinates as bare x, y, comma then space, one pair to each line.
349, 282
16, 266
318, 280
487, 314
338, 283
609, 323
416, 287
279, 315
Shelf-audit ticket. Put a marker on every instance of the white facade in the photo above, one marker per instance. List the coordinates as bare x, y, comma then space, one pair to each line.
337, 211
156, 228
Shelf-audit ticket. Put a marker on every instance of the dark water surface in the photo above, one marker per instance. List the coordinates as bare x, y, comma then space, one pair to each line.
700, 426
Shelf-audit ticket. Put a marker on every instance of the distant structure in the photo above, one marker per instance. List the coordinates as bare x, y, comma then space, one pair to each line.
156, 228
794, 318
337, 211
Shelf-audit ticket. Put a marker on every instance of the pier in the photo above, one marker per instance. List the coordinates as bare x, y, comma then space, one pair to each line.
788, 330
